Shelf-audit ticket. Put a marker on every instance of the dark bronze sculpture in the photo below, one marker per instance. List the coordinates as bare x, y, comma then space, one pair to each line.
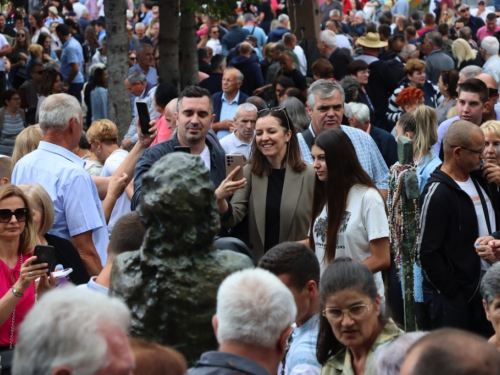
171, 283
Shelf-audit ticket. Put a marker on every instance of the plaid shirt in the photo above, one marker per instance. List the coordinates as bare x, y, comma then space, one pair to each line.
368, 153
341, 363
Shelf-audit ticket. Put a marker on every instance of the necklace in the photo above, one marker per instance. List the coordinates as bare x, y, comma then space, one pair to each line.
14, 312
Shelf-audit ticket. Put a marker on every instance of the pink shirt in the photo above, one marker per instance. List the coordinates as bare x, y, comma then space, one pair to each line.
8, 278
483, 32
164, 132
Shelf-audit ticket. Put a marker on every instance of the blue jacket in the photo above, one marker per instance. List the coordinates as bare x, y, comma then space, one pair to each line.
276, 34
251, 72
234, 36
217, 100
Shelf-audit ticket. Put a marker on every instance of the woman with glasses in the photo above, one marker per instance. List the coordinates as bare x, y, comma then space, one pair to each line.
18, 274
352, 324
447, 85
276, 191
12, 121
19, 57
132, 59
348, 216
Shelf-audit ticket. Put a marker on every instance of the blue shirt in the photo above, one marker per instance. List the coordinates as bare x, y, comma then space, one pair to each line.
261, 37
101, 36
92, 285
76, 202
147, 18
368, 153
151, 75
227, 111
72, 53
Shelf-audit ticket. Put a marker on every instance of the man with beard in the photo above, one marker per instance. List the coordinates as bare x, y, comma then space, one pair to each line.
194, 117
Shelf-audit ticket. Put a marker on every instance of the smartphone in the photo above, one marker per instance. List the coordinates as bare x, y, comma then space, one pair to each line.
144, 119
233, 161
185, 149
44, 254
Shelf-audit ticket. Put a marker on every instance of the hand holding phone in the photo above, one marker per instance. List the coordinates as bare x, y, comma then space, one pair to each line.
44, 254
143, 114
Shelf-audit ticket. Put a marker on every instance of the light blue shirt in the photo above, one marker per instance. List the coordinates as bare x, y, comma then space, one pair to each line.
99, 103
368, 153
227, 111
261, 37
151, 75
76, 202
72, 53
49, 21
101, 36
147, 18
92, 285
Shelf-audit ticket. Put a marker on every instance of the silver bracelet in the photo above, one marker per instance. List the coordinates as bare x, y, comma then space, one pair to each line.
16, 293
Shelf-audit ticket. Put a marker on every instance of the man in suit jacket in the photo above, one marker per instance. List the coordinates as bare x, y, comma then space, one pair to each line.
227, 101
436, 60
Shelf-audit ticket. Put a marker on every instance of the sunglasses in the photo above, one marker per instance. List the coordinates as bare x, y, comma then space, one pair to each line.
23, 35
267, 111
133, 58
39, 72
464, 10
21, 215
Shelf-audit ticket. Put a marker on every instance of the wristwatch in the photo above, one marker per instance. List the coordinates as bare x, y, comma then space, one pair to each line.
16, 293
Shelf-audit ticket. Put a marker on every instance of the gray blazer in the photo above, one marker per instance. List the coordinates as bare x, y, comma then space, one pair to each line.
295, 212
437, 61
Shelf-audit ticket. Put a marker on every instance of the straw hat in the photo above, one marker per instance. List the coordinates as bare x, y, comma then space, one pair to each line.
53, 9
371, 40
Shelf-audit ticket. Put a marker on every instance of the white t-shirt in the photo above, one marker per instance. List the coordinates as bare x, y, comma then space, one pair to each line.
469, 187
365, 219
215, 45
3, 42
205, 156
232, 145
122, 205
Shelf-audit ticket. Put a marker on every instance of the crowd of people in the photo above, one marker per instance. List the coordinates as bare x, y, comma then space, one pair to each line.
318, 132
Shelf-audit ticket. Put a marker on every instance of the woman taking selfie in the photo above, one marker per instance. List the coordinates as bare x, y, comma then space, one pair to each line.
352, 325
17, 240
277, 187
348, 212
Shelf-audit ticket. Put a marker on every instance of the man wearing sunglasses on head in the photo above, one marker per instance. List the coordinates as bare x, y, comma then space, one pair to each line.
466, 19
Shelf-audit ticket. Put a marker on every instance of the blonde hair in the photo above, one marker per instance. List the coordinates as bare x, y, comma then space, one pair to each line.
491, 127
40, 200
451, 17
25, 142
28, 238
104, 131
425, 132
462, 51
35, 50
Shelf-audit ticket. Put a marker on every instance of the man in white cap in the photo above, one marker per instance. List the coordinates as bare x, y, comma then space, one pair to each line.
381, 79
53, 17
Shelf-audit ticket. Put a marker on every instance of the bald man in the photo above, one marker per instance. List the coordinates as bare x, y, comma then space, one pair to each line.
492, 85
456, 209
451, 352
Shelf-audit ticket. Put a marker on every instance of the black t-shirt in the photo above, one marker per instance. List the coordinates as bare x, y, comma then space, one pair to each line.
265, 7
275, 184
298, 78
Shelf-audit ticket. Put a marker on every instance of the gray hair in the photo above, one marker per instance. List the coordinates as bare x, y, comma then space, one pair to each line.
465, 33
435, 38
297, 113
490, 45
350, 86
84, 11
283, 18
390, 356
57, 111
139, 25
407, 50
471, 71
64, 329
360, 111
254, 308
329, 37
248, 17
335, 13
323, 89
239, 76
134, 76
490, 284
143, 47
246, 107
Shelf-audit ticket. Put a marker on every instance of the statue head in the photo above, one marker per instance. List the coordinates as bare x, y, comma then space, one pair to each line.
178, 206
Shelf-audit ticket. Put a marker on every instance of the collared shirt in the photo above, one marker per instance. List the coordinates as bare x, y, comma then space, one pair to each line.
76, 202
226, 363
151, 75
153, 115
227, 111
341, 363
72, 53
368, 153
92, 285
233, 145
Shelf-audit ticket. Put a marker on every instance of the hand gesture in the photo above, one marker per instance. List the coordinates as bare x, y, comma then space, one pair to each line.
492, 173
30, 273
146, 139
228, 186
117, 185
484, 250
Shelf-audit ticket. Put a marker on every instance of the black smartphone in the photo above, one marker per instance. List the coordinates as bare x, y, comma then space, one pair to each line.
144, 119
185, 149
44, 254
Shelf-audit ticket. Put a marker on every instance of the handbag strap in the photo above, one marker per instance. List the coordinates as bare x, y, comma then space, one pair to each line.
483, 204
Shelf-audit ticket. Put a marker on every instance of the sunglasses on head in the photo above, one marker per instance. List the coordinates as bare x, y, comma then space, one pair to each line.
266, 111
21, 215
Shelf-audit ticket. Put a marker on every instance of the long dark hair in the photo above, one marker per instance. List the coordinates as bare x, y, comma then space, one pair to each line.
48, 80
343, 274
260, 166
344, 171
98, 79
39, 21
41, 40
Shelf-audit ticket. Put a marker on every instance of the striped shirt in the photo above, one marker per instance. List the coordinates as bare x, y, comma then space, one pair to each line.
12, 126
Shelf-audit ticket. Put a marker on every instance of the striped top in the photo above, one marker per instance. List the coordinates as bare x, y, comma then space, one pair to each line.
12, 126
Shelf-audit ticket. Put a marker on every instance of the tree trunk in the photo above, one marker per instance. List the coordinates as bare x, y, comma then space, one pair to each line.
188, 48
119, 108
169, 42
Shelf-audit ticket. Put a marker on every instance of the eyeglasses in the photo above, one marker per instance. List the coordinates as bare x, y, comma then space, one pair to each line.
266, 111
479, 152
464, 10
39, 72
21, 215
23, 35
133, 58
355, 312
